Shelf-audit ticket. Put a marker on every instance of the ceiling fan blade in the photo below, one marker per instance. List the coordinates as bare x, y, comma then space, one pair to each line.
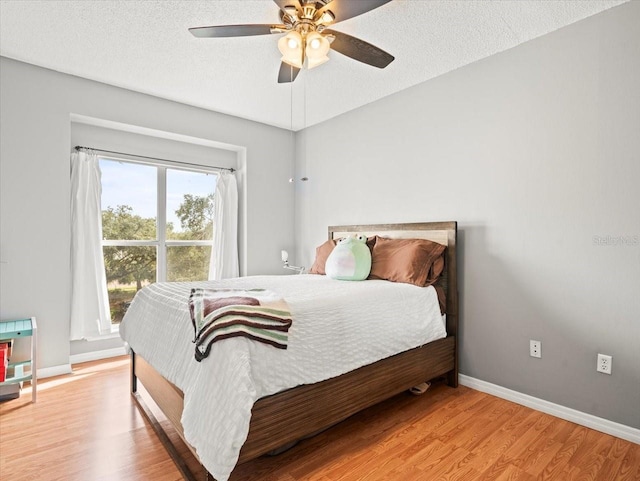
359, 49
287, 73
344, 9
233, 30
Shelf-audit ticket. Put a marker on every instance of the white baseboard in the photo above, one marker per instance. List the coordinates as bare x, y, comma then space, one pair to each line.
95, 355
54, 371
599, 424
79, 358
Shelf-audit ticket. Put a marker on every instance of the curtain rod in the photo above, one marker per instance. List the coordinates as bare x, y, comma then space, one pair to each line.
80, 147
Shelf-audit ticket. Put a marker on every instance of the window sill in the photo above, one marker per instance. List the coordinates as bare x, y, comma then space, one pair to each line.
115, 332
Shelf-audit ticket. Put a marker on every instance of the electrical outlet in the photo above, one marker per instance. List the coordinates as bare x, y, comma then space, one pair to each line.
535, 348
604, 364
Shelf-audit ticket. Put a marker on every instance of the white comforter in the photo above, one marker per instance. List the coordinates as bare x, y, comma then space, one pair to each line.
338, 326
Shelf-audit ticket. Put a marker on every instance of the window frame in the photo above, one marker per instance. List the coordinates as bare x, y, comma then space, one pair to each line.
161, 243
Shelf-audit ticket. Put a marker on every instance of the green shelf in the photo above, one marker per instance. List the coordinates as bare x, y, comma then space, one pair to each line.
18, 328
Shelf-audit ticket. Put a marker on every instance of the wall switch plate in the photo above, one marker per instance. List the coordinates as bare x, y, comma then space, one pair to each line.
535, 348
604, 363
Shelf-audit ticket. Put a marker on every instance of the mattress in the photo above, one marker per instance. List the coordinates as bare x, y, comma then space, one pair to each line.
338, 326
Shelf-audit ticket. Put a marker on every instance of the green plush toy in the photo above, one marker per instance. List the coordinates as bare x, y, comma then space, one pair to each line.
350, 260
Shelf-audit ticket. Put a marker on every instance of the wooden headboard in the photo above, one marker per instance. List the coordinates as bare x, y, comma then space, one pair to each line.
444, 233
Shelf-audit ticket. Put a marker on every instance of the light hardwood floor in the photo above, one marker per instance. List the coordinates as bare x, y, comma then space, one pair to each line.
85, 427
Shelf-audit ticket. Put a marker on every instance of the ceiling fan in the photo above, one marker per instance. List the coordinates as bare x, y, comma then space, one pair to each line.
308, 38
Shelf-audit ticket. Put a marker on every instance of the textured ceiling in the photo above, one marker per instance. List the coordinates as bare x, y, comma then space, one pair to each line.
144, 45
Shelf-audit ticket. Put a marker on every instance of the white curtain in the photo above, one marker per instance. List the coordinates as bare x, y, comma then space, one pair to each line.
90, 315
224, 255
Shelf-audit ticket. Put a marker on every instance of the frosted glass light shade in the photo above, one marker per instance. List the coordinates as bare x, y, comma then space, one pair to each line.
316, 50
290, 47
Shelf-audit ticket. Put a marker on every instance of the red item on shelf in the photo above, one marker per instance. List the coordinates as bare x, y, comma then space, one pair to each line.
4, 362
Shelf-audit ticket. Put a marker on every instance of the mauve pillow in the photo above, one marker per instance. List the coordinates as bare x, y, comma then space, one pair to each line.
404, 260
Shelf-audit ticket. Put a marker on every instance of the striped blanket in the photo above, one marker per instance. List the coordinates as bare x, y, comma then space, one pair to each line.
257, 314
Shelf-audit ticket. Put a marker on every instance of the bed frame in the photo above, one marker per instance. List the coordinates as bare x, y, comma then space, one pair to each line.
286, 417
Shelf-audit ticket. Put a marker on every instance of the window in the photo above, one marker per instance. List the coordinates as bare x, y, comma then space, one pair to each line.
157, 225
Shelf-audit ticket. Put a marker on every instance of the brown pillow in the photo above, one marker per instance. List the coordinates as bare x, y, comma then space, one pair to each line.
436, 270
323, 251
322, 254
371, 242
405, 260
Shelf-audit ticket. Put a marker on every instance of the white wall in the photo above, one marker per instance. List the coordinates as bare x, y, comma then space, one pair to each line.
37, 106
535, 151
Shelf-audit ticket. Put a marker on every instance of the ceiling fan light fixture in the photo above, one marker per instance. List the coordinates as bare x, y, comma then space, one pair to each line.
290, 47
327, 17
316, 50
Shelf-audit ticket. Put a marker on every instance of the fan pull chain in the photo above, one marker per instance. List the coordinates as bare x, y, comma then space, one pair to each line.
293, 139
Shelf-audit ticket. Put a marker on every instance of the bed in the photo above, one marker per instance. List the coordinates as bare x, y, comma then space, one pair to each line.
283, 418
